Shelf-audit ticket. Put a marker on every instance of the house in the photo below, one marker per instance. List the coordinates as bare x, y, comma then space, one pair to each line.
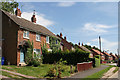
16, 31
97, 52
113, 57
117, 56
84, 49
65, 45
107, 56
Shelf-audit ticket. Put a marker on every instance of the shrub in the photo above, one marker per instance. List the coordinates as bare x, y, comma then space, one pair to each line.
72, 57
51, 73
97, 60
30, 59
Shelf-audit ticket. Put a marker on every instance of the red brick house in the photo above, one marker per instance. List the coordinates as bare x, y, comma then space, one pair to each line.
97, 52
16, 31
107, 56
84, 49
113, 57
65, 44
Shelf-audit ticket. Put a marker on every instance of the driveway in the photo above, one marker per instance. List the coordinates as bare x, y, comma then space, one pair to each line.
89, 72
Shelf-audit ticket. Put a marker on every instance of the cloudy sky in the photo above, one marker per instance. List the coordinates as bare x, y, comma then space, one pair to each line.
78, 21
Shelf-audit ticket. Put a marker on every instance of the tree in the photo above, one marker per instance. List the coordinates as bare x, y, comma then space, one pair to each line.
9, 6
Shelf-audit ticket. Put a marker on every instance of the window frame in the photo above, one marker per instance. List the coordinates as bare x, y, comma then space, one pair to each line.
26, 34
47, 37
35, 52
39, 37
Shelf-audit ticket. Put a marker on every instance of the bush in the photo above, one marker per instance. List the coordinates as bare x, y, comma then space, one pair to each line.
51, 73
72, 57
97, 60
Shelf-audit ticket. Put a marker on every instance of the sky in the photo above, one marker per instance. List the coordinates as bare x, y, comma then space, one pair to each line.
80, 22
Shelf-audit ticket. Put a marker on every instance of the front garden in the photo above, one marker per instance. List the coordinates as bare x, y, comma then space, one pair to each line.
40, 71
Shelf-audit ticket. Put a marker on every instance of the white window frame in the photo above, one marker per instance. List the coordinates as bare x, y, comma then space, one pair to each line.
37, 35
27, 34
35, 52
46, 39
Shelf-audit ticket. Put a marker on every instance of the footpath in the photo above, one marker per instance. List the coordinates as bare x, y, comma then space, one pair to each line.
86, 73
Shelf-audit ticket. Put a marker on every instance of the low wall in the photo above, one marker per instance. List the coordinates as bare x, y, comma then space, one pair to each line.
84, 66
104, 62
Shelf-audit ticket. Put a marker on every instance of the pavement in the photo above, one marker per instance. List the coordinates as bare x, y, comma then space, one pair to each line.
86, 73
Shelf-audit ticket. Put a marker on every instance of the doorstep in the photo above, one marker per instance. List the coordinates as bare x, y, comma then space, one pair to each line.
22, 64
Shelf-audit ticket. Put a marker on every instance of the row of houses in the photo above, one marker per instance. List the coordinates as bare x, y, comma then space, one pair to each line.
16, 31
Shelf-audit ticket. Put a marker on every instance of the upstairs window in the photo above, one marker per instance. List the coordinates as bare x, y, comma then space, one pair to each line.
37, 37
47, 39
26, 34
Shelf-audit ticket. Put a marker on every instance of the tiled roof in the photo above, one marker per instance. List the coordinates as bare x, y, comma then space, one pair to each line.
98, 52
85, 49
25, 24
106, 53
113, 55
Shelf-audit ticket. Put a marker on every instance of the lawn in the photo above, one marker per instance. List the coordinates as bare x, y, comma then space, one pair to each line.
39, 72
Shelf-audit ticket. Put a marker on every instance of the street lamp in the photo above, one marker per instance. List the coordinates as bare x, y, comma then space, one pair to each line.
100, 47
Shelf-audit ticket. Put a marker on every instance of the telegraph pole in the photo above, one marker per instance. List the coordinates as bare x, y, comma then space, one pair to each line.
100, 47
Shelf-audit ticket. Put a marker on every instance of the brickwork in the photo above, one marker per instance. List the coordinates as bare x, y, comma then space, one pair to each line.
32, 37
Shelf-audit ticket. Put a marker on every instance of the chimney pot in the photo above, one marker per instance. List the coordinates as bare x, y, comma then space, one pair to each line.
82, 44
18, 12
60, 34
65, 37
79, 43
33, 19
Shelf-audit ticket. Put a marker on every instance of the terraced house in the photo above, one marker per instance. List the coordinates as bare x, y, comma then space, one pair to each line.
16, 31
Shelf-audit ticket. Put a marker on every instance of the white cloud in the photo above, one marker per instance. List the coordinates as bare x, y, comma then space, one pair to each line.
98, 28
107, 45
66, 4
88, 43
40, 18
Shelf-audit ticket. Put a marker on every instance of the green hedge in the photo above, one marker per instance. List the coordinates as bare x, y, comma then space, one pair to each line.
72, 57
97, 60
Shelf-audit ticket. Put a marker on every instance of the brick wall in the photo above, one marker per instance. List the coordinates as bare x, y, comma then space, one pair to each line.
9, 44
32, 37
66, 45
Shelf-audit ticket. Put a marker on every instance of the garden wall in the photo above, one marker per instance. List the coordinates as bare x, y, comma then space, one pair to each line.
84, 66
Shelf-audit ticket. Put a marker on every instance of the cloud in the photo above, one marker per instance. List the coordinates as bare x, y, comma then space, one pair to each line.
88, 43
40, 19
66, 4
107, 45
97, 28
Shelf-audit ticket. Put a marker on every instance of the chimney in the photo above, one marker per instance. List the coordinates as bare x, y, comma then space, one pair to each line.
82, 44
60, 34
18, 12
65, 38
110, 53
33, 19
79, 43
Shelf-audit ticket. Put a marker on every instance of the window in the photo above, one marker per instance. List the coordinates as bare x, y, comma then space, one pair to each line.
37, 37
47, 39
26, 34
37, 53
56, 41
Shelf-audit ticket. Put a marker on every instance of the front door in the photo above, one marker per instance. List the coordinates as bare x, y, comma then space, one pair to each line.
21, 56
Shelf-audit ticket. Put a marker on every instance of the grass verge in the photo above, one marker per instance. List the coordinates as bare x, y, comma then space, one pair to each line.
98, 74
116, 69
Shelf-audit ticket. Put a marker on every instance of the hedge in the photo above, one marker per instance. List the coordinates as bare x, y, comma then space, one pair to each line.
72, 57
97, 60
